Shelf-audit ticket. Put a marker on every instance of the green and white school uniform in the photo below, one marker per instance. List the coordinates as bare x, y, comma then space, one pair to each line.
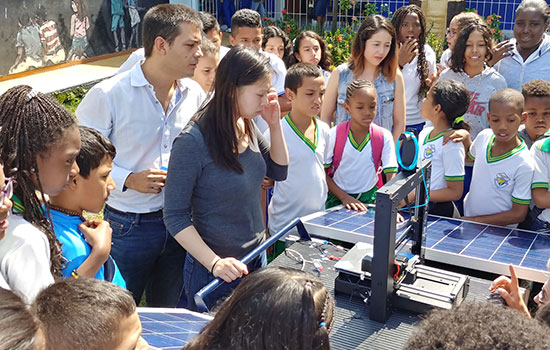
499, 181
305, 189
447, 160
356, 174
541, 176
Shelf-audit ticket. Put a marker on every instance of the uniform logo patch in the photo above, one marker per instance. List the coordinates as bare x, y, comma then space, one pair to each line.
502, 180
429, 151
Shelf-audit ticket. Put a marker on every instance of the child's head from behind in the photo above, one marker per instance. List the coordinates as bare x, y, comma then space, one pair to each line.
91, 187
211, 28
19, 328
537, 107
246, 29
305, 87
506, 114
375, 45
458, 23
448, 99
275, 308
478, 326
361, 102
276, 42
39, 143
86, 313
207, 66
309, 47
473, 47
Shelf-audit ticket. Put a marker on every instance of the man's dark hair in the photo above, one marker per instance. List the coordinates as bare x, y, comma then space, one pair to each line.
164, 20
83, 313
95, 147
209, 22
479, 326
245, 18
296, 74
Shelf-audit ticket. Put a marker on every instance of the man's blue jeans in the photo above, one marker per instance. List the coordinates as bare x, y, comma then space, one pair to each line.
197, 276
148, 257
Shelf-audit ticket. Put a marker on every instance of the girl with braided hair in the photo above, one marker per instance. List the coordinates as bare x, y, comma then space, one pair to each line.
273, 308
416, 59
39, 142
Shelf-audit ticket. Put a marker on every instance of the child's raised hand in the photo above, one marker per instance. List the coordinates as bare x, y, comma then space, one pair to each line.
456, 135
354, 204
502, 49
98, 235
508, 289
272, 111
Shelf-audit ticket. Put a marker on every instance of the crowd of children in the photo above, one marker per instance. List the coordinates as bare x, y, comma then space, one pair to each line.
262, 109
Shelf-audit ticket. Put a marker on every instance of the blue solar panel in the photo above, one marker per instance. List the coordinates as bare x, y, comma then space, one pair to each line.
478, 246
170, 328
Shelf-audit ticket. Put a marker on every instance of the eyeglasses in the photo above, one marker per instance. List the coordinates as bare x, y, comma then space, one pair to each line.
450, 33
7, 192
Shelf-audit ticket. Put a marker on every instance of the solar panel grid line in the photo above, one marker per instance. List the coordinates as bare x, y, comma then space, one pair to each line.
464, 243
528, 250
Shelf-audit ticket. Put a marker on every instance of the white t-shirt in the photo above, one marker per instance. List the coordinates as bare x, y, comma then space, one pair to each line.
279, 72
499, 181
541, 175
481, 88
411, 78
447, 161
356, 173
305, 189
25, 259
446, 58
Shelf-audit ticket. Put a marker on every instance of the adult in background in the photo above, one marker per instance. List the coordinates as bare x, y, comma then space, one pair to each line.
530, 57
142, 111
216, 170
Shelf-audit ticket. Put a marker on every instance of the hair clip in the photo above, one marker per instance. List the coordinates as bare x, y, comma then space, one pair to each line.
322, 324
308, 284
31, 94
459, 119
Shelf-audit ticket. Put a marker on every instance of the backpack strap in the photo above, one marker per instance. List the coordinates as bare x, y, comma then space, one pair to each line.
377, 144
342, 131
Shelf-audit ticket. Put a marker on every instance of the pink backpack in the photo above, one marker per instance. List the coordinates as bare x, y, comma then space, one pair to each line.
377, 144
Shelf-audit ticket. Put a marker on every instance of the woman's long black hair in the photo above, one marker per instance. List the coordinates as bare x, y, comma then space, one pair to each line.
217, 120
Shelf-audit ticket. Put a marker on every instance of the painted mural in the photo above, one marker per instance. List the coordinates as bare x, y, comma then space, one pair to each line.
38, 33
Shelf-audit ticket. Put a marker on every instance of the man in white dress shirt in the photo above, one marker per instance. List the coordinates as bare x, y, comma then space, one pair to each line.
142, 111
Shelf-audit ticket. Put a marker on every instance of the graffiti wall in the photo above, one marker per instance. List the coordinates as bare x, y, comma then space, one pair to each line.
38, 33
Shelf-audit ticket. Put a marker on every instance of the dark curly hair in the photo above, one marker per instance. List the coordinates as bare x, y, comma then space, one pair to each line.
454, 99
326, 58
422, 66
479, 326
457, 59
274, 308
30, 124
536, 88
276, 32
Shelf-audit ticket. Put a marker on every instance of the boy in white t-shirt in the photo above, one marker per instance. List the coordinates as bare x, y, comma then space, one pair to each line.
500, 192
541, 184
305, 189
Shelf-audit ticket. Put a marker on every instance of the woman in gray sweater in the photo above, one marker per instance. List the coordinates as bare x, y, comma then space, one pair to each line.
215, 173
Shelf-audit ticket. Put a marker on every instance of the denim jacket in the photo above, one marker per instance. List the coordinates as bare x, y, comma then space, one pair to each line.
385, 92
